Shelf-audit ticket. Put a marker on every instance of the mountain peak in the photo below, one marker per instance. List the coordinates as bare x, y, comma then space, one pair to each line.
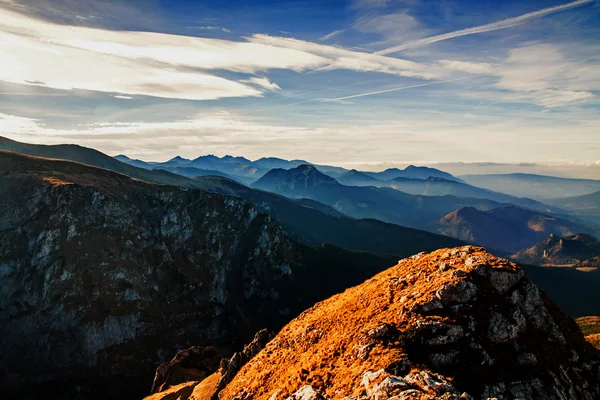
178, 158
419, 330
294, 182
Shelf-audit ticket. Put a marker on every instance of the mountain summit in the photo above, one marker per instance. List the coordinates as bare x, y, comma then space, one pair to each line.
453, 324
295, 181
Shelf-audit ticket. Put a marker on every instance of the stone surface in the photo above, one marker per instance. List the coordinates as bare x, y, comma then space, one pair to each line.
104, 277
490, 333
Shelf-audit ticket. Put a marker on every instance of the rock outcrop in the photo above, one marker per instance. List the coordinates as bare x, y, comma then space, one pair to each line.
453, 324
102, 277
195, 363
579, 250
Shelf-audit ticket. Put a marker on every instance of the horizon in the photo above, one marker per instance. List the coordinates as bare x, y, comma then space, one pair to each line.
459, 168
356, 83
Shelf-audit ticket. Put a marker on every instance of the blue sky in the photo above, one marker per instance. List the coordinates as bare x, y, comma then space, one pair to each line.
343, 82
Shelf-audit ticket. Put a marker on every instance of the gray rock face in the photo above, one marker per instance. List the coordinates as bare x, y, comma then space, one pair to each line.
91, 272
104, 275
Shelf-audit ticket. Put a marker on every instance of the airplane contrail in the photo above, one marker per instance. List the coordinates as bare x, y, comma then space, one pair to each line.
503, 24
306, 94
395, 89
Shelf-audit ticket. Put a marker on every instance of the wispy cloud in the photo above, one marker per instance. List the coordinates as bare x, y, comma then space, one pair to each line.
210, 28
503, 24
155, 64
538, 73
394, 89
332, 35
411, 138
263, 82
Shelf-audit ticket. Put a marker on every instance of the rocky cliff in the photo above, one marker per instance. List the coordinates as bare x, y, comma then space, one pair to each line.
103, 276
579, 250
453, 324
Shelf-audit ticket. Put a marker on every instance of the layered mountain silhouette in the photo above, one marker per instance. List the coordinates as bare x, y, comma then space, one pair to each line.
539, 187
586, 206
304, 220
412, 172
102, 274
577, 250
454, 324
507, 228
386, 204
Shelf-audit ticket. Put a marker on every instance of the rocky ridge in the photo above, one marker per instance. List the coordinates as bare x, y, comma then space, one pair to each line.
453, 324
579, 250
103, 276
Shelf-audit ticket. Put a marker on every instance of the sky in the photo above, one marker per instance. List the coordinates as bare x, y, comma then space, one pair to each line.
357, 82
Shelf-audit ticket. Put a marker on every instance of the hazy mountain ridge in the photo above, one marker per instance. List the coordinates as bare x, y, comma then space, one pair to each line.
383, 203
539, 187
307, 224
585, 206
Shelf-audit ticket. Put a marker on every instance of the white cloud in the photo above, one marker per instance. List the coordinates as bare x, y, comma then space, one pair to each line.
477, 68
263, 82
443, 139
340, 58
541, 74
503, 24
210, 28
146, 63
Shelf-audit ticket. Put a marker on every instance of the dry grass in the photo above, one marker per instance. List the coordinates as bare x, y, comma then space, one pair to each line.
321, 346
590, 326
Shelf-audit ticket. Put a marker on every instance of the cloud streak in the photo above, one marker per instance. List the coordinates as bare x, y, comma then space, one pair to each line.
503, 24
169, 66
395, 89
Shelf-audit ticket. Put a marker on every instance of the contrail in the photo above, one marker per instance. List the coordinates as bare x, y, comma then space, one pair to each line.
306, 94
503, 24
394, 89
332, 35
363, 94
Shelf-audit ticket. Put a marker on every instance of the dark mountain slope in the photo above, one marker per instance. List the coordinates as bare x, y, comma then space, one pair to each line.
93, 157
102, 276
306, 224
508, 228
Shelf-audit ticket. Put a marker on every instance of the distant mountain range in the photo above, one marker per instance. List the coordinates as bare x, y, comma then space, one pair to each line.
412, 172
304, 220
247, 171
386, 204
577, 250
586, 206
315, 208
539, 187
507, 228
